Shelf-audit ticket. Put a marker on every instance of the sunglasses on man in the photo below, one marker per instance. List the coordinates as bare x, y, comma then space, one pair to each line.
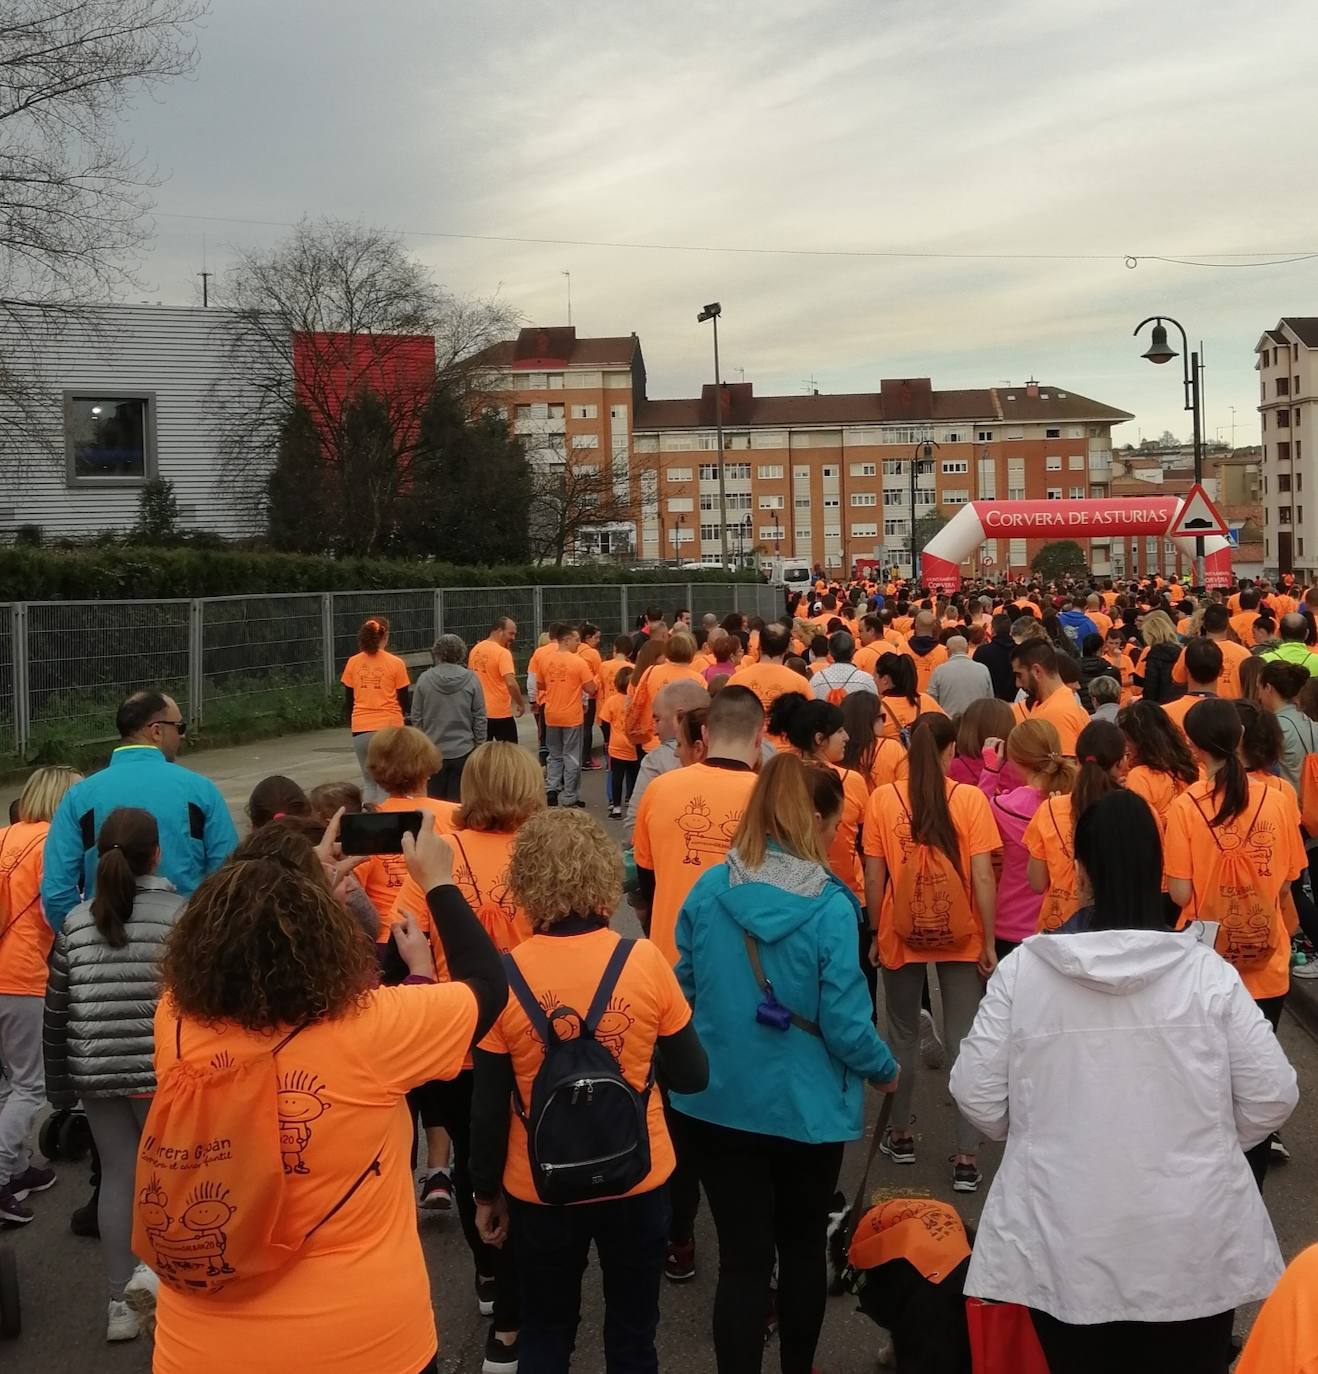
180, 725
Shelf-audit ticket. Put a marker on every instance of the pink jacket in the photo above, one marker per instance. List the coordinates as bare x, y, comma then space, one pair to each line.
984, 773
1018, 904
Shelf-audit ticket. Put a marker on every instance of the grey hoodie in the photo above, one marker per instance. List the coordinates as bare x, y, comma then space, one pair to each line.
449, 705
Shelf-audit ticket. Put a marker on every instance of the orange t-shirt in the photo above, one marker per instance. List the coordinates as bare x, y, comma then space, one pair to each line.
608, 677
866, 658
684, 824
887, 836
565, 971
1228, 680
356, 1296
640, 698
926, 663
1180, 708
614, 714
492, 663
592, 656
1267, 830
897, 713
769, 681
1102, 620
1049, 837
385, 877
1243, 625
1158, 789
375, 679
559, 686
843, 856
891, 763
1066, 713
903, 624
26, 942
1284, 1337
480, 872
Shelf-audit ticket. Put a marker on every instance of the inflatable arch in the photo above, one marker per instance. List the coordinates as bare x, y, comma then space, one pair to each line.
977, 521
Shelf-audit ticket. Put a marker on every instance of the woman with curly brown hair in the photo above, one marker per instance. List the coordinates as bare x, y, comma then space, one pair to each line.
264, 961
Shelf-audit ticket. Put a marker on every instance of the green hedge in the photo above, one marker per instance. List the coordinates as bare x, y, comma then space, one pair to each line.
36, 574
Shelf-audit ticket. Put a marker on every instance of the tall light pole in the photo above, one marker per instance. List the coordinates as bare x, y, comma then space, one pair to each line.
1160, 351
924, 448
711, 312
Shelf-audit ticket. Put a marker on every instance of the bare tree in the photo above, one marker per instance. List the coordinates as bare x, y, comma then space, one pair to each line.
74, 198
333, 310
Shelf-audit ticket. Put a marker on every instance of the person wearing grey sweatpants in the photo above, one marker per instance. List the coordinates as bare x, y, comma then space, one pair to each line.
22, 1080
563, 770
962, 988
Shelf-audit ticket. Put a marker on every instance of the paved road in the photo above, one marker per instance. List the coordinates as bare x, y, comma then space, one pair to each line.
62, 1280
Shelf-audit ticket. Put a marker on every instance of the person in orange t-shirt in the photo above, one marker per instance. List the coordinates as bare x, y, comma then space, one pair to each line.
675, 666
588, 650
877, 759
403, 757
927, 653
1203, 668
355, 1295
566, 874
1049, 838
492, 662
377, 692
929, 811
26, 940
901, 704
1284, 1337
563, 679
686, 818
1160, 765
770, 677
872, 644
624, 758
1242, 623
1035, 663
1215, 627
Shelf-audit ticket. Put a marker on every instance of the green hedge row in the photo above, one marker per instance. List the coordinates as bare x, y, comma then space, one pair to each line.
36, 574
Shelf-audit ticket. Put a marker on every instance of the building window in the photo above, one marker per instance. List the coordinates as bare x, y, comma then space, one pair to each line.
709, 533
1054, 493
1283, 419
1054, 463
802, 503
708, 500
869, 531
1052, 434
110, 437
955, 496
739, 500
864, 469
1283, 386
953, 437
1015, 493
1283, 515
585, 441
584, 412
709, 472
1077, 493
801, 474
678, 505
679, 474
737, 472
1076, 462
771, 503
894, 527
828, 473
831, 502
984, 436
956, 465
1283, 481
771, 532
803, 533
892, 497
864, 498
1016, 552
770, 472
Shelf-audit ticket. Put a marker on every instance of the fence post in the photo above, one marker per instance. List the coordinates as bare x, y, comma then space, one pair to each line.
327, 640
691, 602
537, 613
736, 597
196, 644
625, 624
439, 611
22, 700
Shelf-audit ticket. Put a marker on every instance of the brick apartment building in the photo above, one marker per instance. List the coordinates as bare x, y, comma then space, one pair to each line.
821, 477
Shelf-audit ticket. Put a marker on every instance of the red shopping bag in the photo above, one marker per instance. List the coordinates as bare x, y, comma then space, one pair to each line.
1002, 1339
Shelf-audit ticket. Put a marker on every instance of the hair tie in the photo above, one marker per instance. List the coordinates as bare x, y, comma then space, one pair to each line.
1089, 758
279, 815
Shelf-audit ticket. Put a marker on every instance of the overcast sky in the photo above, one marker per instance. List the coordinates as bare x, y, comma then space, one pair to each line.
951, 126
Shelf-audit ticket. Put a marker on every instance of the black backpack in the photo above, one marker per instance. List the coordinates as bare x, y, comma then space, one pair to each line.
586, 1130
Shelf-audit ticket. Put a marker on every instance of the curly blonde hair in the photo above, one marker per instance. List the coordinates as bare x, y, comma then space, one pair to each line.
562, 863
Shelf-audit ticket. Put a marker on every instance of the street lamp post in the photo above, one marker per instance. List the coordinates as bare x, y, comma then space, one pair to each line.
677, 538
744, 531
1160, 351
711, 312
924, 448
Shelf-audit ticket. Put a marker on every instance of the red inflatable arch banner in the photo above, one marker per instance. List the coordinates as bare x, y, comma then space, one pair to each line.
980, 520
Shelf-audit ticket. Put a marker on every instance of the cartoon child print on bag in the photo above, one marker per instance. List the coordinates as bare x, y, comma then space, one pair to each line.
299, 1102
197, 1240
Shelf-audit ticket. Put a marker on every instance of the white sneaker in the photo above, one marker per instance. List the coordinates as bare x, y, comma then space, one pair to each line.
140, 1293
1306, 970
122, 1323
932, 1050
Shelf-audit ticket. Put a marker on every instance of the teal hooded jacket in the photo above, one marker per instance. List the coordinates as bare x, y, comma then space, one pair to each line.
786, 1083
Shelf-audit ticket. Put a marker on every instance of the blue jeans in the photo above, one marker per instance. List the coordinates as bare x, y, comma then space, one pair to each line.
552, 1246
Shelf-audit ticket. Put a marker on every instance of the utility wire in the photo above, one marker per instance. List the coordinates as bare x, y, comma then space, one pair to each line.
1131, 260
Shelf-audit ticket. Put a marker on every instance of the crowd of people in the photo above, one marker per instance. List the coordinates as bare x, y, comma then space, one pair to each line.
1068, 831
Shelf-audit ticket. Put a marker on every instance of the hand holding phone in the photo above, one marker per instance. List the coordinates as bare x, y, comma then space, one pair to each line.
377, 832
429, 859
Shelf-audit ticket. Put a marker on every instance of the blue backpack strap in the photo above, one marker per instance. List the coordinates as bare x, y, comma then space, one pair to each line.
530, 1004
609, 981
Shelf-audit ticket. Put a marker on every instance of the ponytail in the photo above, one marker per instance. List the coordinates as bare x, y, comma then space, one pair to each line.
931, 817
1214, 728
900, 670
372, 633
801, 719
1100, 748
127, 846
1035, 747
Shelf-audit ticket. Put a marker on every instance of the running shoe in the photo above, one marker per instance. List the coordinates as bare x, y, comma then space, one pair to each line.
437, 1192
680, 1261
966, 1178
14, 1209
1277, 1147
1307, 970
121, 1322
31, 1180
484, 1295
900, 1151
933, 1054
551, 798
499, 1358
140, 1293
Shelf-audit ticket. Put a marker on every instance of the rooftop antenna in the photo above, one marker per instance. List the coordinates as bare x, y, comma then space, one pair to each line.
741, 372
811, 385
568, 275
205, 276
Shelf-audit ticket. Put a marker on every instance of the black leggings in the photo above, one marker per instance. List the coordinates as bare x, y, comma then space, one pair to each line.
768, 1196
622, 776
1259, 1155
1202, 1346
446, 1103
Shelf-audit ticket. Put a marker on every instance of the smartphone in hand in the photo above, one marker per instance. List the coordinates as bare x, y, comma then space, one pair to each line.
377, 832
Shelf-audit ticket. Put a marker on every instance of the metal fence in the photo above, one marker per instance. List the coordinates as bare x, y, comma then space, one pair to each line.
66, 665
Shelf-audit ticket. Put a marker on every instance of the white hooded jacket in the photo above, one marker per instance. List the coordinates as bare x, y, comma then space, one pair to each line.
1128, 1072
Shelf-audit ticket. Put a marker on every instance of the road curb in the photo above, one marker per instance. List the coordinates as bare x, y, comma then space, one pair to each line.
1302, 1003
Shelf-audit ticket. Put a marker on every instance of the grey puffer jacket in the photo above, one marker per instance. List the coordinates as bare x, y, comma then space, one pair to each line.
101, 1001
448, 703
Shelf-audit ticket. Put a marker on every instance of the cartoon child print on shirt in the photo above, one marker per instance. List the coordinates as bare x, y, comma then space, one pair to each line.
299, 1102
702, 836
611, 1031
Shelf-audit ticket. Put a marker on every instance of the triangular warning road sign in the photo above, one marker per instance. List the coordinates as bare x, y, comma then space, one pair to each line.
1197, 516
